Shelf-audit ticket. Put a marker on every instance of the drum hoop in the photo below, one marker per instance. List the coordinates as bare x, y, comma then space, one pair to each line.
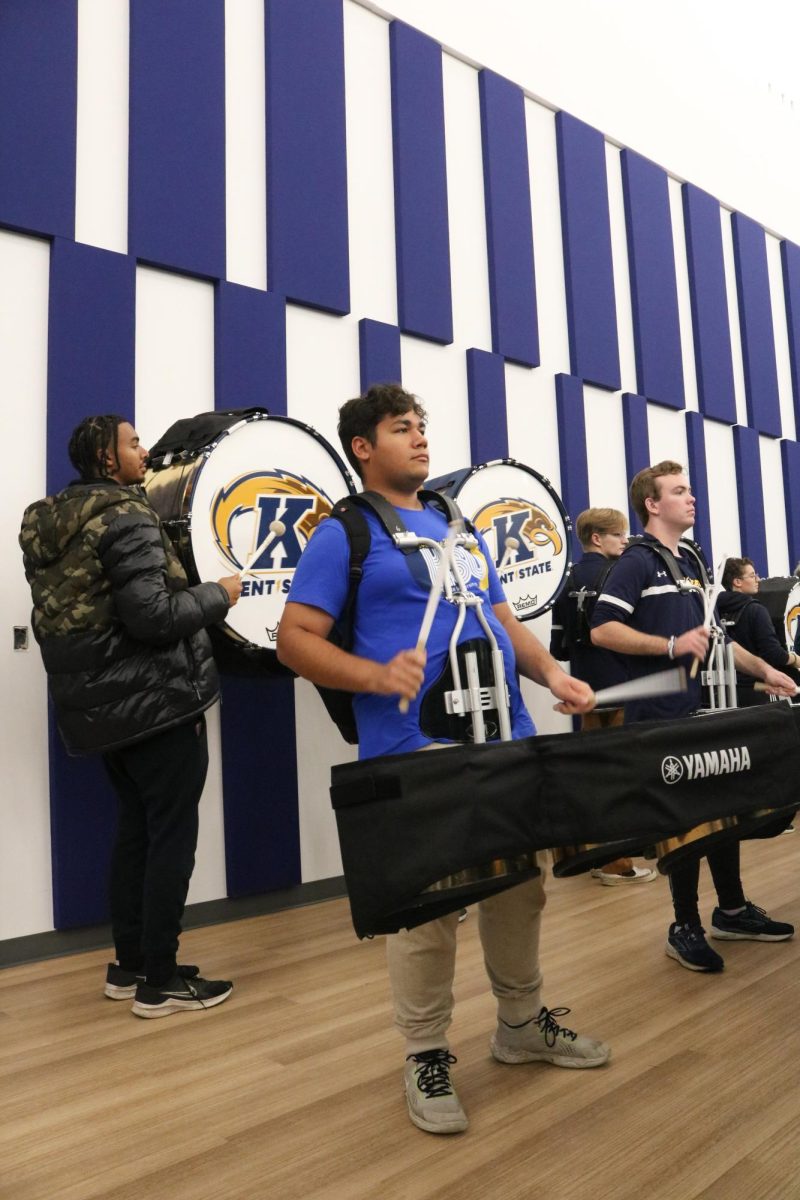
548, 486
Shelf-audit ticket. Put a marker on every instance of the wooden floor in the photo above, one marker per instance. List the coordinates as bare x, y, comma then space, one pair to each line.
293, 1087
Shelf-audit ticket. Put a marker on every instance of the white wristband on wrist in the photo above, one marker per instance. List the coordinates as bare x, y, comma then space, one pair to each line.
671, 646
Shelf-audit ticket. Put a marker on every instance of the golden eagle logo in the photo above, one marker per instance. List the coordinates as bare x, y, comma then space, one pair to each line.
243, 510
535, 527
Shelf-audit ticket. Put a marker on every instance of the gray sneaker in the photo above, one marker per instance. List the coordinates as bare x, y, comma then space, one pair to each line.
432, 1102
542, 1039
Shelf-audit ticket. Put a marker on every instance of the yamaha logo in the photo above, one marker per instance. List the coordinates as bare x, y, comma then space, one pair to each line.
671, 769
731, 761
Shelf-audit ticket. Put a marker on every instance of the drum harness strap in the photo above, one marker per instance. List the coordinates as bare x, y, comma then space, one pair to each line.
458, 701
720, 676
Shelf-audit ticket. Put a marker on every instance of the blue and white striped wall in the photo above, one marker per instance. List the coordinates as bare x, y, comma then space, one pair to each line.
206, 204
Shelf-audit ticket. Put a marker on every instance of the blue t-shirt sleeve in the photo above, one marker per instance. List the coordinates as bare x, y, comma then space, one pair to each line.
622, 591
321, 577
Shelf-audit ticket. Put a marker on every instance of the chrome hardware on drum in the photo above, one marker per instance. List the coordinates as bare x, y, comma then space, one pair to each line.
247, 496
525, 526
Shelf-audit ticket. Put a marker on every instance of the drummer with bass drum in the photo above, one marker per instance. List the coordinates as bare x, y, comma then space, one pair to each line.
652, 609
384, 436
749, 623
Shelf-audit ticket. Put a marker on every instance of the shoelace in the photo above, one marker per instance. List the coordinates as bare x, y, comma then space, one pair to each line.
550, 1027
433, 1072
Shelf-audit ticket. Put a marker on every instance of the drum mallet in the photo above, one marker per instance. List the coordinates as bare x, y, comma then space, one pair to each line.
512, 545
661, 683
276, 529
437, 587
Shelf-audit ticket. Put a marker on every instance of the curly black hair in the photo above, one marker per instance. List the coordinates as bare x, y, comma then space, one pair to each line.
89, 442
359, 416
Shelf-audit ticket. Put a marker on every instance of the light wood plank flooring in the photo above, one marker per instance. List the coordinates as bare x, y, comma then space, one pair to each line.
293, 1087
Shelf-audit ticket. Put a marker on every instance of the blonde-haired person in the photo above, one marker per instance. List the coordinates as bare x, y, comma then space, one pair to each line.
603, 535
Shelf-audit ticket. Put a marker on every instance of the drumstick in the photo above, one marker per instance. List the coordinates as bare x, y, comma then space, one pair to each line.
758, 686
710, 601
662, 683
512, 544
276, 529
454, 528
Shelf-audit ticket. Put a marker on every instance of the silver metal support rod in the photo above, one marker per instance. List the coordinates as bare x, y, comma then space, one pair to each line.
474, 685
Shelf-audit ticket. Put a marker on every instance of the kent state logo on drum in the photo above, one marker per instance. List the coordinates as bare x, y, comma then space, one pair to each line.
261, 522
526, 544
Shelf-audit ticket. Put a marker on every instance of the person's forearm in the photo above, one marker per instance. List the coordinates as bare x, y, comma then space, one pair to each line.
533, 661
613, 635
749, 663
318, 660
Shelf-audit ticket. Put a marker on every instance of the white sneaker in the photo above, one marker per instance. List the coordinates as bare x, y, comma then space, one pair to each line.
542, 1039
432, 1102
635, 875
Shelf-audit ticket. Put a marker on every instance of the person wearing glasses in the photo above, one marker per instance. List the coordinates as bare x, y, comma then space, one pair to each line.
749, 624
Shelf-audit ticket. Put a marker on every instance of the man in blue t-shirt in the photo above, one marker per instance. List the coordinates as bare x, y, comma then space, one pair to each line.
643, 614
384, 438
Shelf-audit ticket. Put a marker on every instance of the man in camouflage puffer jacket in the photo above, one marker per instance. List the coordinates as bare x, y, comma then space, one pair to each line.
131, 672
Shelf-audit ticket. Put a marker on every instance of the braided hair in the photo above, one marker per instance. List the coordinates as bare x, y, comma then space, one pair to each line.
89, 442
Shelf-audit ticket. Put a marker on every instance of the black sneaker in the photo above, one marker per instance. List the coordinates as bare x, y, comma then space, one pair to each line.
122, 985
687, 945
751, 924
180, 995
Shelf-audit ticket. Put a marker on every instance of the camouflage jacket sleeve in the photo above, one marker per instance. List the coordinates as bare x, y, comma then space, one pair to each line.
148, 585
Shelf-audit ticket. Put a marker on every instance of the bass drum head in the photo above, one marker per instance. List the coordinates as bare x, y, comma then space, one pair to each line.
256, 497
780, 595
505, 499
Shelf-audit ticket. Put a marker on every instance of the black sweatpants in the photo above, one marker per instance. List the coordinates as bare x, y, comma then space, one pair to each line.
159, 782
725, 871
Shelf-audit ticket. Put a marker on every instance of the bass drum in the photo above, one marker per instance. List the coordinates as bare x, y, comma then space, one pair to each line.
505, 500
247, 492
781, 597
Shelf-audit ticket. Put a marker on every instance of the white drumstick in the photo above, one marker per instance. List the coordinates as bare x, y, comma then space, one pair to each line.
276, 529
442, 567
662, 683
512, 544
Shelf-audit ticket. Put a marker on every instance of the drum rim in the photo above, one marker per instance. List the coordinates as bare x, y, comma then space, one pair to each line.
469, 472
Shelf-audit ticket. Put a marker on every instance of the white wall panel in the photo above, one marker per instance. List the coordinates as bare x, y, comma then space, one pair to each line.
175, 379
321, 367
532, 422
370, 173
774, 510
25, 884
469, 262
622, 286
722, 498
605, 449
319, 747
667, 434
438, 375
245, 144
101, 191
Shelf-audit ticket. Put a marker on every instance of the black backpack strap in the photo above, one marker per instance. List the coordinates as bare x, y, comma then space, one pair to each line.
668, 559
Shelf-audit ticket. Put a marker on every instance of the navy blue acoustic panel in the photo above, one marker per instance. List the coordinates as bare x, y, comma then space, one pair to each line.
422, 237
698, 478
90, 370
755, 323
572, 444
790, 458
509, 231
379, 353
307, 236
176, 182
588, 264
707, 288
259, 779
654, 289
38, 99
747, 455
790, 259
90, 353
249, 348
486, 390
637, 443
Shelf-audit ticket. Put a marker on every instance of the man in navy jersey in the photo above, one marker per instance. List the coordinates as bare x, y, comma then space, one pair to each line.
644, 615
603, 535
383, 435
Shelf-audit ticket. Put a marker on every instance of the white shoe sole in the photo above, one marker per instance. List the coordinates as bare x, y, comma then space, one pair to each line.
616, 880
168, 1007
507, 1054
115, 992
671, 952
455, 1125
724, 935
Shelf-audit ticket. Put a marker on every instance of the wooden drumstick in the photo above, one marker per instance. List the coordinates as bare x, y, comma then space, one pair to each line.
454, 528
276, 529
662, 683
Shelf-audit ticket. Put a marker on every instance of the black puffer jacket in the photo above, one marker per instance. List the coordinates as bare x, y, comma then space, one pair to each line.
121, 632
